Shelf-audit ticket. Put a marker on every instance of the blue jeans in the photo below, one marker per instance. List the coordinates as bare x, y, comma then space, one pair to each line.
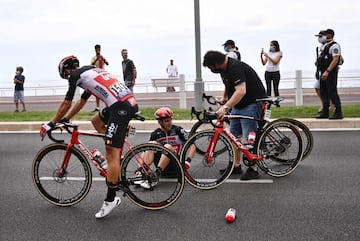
242, 127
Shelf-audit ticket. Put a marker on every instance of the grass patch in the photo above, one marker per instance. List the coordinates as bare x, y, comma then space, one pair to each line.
349, 111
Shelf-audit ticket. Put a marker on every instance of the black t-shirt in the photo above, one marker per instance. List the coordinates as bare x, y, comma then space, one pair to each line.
238, 72
18, 86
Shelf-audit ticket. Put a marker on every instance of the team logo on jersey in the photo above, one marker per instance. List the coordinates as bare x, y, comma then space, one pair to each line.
101, 91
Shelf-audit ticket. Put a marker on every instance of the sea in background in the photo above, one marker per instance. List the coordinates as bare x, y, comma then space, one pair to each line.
347, 78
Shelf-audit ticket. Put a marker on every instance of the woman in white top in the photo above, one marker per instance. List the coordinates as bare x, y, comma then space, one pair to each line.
272, 73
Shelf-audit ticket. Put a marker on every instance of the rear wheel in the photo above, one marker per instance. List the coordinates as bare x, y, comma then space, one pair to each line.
163, 190
308, 139
280, 145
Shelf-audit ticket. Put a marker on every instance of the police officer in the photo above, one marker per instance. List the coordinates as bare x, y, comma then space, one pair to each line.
328, 63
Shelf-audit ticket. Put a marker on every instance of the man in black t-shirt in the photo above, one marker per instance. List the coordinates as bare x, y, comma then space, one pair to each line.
129, 70
242, 87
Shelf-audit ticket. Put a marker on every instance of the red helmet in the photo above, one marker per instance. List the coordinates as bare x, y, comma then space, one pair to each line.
163, 112
70, 62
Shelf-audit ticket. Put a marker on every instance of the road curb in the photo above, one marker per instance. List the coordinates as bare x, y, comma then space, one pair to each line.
149, 125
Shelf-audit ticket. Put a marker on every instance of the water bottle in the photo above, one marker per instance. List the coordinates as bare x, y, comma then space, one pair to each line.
99, 158
230, 215
251, 137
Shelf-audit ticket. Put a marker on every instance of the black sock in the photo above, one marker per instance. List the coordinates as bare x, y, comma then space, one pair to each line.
111, 193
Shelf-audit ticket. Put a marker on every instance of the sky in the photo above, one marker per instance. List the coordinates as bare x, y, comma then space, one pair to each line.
37, 34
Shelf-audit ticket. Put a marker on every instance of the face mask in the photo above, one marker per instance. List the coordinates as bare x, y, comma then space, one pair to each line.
272, 49
17, 72
216, 71
226, 49
322, 39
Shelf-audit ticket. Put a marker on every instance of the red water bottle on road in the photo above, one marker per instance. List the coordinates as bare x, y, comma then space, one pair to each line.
230, 215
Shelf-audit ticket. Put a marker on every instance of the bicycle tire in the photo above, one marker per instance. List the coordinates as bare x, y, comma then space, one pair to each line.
280, 145
69, 189
205, 174
308, 139
168, 189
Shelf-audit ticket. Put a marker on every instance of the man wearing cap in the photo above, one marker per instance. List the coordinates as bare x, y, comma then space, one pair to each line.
231, 50
328, 62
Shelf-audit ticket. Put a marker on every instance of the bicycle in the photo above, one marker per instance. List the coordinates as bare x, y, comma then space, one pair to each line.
203, 123
62, 173
277, 149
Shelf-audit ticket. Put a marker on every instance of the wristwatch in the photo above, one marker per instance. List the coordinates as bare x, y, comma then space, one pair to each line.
226, 108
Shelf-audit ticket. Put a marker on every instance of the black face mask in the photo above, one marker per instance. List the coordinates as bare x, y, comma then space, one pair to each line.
216, 71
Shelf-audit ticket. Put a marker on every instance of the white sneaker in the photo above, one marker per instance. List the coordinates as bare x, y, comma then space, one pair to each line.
107, 207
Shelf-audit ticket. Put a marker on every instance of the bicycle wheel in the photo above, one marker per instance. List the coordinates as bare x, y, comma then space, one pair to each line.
165, 190
74, 183
200, 126
308, 139
204, 172
280, 145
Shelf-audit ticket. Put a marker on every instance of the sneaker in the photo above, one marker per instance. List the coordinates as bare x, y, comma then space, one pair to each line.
322, 115
96, 109
146, 184
250, 174
236, 170
107, 207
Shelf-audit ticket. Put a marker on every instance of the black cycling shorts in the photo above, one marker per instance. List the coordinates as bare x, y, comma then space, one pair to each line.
117, 117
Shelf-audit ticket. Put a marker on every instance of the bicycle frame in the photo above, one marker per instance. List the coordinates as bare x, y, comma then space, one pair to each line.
219, 129
75, 141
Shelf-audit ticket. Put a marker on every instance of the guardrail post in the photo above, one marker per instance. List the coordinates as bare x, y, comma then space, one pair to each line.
182, 92
298, 88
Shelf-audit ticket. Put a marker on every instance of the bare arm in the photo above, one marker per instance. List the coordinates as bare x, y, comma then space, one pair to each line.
76, 108
62, 110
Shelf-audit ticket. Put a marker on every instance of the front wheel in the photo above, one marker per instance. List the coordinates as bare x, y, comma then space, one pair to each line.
64, 188
280, 146
208, 170
163, 190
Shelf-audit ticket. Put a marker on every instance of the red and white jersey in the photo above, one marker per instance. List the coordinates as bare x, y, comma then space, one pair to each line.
99, 83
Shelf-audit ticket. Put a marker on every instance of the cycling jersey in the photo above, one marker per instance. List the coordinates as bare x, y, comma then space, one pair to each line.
121, 105
97, 82
176, 137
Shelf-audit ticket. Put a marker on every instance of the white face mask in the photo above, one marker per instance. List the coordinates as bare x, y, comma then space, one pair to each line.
17, 72
322, 39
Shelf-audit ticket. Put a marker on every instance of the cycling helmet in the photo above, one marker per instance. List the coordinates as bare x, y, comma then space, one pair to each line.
70, 62
163, 112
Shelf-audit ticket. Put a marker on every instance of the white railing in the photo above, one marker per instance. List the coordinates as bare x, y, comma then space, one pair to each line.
209, 85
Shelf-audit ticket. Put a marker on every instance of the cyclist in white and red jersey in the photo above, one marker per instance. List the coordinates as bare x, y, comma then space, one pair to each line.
120, 107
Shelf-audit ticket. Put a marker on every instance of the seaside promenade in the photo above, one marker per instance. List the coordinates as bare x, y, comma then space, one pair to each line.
348, 96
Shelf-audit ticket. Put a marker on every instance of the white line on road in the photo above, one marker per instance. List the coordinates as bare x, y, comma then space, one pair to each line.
102, 179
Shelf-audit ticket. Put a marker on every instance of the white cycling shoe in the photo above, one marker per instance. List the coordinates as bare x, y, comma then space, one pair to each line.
107, 207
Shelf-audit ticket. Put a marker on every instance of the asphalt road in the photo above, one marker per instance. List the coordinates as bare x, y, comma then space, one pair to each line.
319, 201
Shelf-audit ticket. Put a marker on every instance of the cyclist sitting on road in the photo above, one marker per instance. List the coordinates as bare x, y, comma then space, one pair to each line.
121, 107
170, 136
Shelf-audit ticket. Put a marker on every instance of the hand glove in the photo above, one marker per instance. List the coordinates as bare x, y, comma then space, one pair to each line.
45, 128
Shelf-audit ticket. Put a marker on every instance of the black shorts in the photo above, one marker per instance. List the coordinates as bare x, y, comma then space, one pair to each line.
117, 117
170, 170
